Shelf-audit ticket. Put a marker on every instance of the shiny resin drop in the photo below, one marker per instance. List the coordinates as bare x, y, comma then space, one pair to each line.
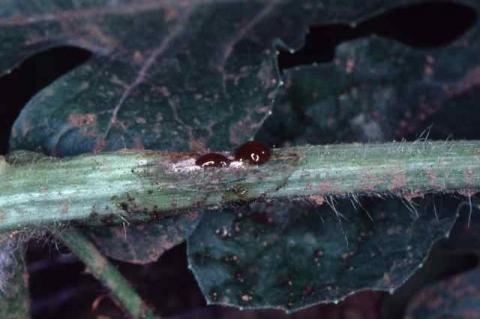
253, 153
212, 160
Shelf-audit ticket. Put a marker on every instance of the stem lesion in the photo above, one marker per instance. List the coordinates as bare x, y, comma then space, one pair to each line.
143, 185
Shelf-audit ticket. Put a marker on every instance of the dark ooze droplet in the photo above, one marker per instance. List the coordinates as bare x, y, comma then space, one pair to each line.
253, 153
212, 160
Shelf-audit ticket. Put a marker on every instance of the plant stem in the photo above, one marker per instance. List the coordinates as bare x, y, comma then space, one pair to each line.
144, 185
106, 272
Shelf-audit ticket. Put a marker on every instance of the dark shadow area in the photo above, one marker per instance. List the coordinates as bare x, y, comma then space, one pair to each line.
425, 25
58, 282
61, 288
35, 73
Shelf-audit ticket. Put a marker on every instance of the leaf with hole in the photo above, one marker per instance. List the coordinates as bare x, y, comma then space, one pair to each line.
392, 86
341, 101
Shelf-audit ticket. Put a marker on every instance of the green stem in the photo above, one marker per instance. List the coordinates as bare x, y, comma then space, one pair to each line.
144, 185
104, 271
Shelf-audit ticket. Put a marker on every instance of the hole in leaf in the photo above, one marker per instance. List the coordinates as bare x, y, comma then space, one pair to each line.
33, 74
424, 25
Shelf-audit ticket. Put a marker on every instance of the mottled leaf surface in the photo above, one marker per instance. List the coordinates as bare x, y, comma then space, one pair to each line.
172, 75
374, 89
377, 89
456, 297
289, 255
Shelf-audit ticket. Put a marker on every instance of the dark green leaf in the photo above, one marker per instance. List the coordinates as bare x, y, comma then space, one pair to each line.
292, 255
378, 89
164, 75
144, 243
381, 90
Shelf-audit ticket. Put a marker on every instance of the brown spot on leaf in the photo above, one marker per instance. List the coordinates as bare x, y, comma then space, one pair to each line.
428, 68
82, 119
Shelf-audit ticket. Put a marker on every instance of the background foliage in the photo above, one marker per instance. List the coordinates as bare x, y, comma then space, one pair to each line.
200, 75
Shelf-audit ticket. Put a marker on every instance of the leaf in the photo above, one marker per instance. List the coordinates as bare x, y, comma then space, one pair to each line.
152, 83
14, 295
456, 297
377, 89
363, 95
144, 243
289, 256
